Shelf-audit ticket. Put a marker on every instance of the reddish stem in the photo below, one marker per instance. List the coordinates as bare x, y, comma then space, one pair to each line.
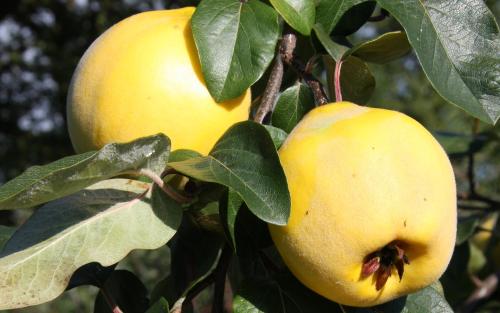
338, 89
112, 304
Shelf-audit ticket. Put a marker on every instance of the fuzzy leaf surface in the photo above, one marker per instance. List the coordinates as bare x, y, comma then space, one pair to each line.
245, 36
245, 160
458, 45
101, 223
40, 184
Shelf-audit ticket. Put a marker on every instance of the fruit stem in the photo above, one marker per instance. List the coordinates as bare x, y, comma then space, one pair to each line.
163, 186
338, 88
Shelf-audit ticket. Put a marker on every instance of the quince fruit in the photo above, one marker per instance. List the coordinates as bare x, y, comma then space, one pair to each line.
373, 204
142, 77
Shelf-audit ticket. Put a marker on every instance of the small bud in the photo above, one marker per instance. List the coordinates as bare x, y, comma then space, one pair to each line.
370, 267
383, 275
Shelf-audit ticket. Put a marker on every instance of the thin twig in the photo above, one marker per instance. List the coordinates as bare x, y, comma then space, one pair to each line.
336, 81
289, 58
163, 186
471, 161
484, 290
220, 280
271, 91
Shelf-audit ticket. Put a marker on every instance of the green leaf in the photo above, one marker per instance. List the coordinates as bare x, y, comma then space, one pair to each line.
246, 160
292, 105
126, 290
160, 306
458, 45
335, 50
231, 204
278, 135
260, 297
456, 285
183, 154
236, 42
93, 274
40, 184
5, 234
354, 18
101, 223
299, 14
200, 249
356, 81
329, 12
466, 228
283, 294
427, 300
385, 48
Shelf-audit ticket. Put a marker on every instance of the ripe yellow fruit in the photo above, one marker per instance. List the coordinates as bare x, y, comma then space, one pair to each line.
371, 190
142, 77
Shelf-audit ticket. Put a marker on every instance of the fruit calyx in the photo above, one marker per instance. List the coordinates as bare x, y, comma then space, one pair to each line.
381, 262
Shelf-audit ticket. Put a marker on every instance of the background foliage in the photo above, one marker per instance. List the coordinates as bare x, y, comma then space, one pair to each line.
41, 42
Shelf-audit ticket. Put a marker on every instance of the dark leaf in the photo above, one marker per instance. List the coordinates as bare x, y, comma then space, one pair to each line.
245, 160
160, 306
466, 228
126, 291
329, 12
292, 105
40, 184
230, 206
356, 81
93, 274
458, 46
278, 135
245, 36
383, 49
335, 50
354, 18
195, 253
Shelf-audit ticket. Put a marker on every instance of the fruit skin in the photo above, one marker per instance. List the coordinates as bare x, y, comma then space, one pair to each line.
360, 178
142, 77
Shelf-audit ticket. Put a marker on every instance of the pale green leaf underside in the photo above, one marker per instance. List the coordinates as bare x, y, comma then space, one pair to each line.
40, 184
458, 45
102, 223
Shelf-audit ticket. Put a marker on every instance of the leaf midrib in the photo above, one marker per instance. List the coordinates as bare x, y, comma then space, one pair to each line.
71, 230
